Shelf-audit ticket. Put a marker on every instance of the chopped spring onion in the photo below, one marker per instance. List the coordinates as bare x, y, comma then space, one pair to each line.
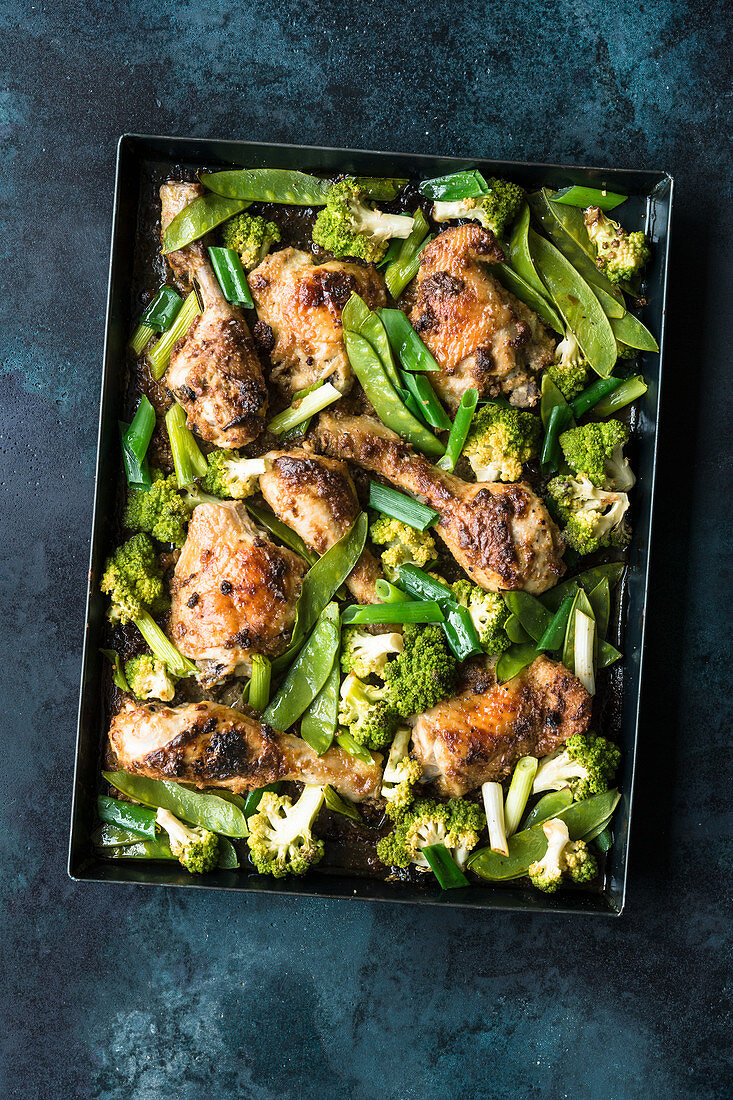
444, 867
259, 685
459, 431
118, 671
560, 417
588, 196
627, 392
519, 791
585, 633
136, 472
429, 407
553, 636
457, 185
404, 268
390, 593
346, 742
493, 797
304, 408
339, 805
141, 337
188, 461
137, 436
459, 630
163, 310
593, 394
127, 815
230, 274
159, 356
604, 840
401, 507
163, 647
406, 343
407, 611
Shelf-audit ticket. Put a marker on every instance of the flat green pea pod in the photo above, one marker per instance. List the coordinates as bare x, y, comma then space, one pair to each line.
515, 632
520, 260
600, 600
339, 805
534, 617
113, 842
548, 806
587, 580
530, 845
308, 673
384, 398
577, 303
514, 659
514, 283
607, 654
327, 575
199, 218
630, 331
550, 397
280, 530
357, 317
320, 721
196, 807
281, 185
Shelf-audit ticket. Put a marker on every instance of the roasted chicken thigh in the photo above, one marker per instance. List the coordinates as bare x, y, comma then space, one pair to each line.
480, 334
214, 372
502, 535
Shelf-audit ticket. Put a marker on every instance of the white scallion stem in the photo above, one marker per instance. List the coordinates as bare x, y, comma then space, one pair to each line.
493, 796
585, 632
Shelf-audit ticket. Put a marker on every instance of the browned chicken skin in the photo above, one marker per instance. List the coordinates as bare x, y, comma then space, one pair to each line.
480, 334
500, 534
209, 745
299, 303
316, 497
214, 372
478, 735
233, 591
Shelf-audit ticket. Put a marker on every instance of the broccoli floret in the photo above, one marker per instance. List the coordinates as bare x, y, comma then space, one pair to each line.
404, 544
251, 236
367, 654
456, 824
621, 255
500, 441
197, 849
424, 673
488, 613
347, 227
563, 857
231, 475
569, 372
133, 579
400, 775
592, 518
595, 451
495, 211
367, 713
586, 764
160, 511
280, 837
149, 678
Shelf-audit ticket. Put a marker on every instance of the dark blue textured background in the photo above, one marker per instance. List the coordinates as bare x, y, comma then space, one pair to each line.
133, 994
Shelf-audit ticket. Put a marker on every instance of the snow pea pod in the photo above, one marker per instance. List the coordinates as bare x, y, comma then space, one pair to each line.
198, 218
514, 659
357, 317
280, 530
577, 303
607, 654
548, 806
530, 845
588, 579
519, 254
426, 401
551, 396
560, 420
384, 398
534, 617
381, 189
515, 632
196, 807
630, 331
409, 348
403, 268
512, 281
308, 673
320, 721
327, 575
126, 815
553, 637
339, 805
253, 798
281, 185
600, 600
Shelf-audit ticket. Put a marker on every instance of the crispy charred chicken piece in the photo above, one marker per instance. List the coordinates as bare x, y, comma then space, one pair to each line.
500, 534
209, 745
233, 592
480, 334
299, 305
215, 372
479, 734
316, 497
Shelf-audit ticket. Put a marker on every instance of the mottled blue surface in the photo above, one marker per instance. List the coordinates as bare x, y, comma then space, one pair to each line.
132, 994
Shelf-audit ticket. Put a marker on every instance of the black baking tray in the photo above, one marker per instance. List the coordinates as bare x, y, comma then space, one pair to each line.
137, 155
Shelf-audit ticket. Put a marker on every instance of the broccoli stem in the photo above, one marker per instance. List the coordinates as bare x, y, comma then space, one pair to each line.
163, 647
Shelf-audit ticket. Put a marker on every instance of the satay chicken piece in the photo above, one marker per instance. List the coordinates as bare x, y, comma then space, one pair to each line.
315, 496
478, 735
502, 535
214, 372
233, 592
209, 745
299, 304
480, 333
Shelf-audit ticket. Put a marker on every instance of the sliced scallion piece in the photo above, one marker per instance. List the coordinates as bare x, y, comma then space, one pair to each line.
141, 337
585, 635
163, 310
404, 268
390, 593
118, 669
519, 791
304, 408
346, 742
401, 507
259, 685
406, 343
159, 356
493, 796
431, 410
137, 436
593, 394
231, 277
459, 431
407, 611
444, 867
188, 461
136, 472
627, 392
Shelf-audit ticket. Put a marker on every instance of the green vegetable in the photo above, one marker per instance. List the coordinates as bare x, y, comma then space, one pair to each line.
188, 461
304, 408
366, 712
389, 593
159, 356
401, 775
308, 673
521, 260
320, 721
459, 629
620, 255
401, 507
444, 867
403, 268
346, 742
381, 189
513, 282
252, 799
127, 815
367, 654
585, 401
232, 476
424, 673
326, 575
580, 603
206, 810
382, 395
586, 764
281, 531
281, 185
162, 311
599, 598
607, 655
426, 822
231, 277
560, 418
137, 437
251, 238
569, 372
554, 634
149, 678
459, 431
339, 805
533, 616
630, 331
409, 611
140, 338
259, 690
405, 342
550, 396
500, 441
604, 839
425, 401
196, 849
160, 511
627, 392
280, 837
514, 660
515, 632
488, 614
403, 544
357, 317
495, 209
348, 227
550, 805
588, 196
563, 857
118, 671
493, 797
595, 451
196, 219
456, 185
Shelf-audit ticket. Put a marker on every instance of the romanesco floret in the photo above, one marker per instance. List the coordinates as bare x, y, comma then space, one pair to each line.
232, 476
403, 544
133, 579
590, 518
280, 837
621, 255
424, 673
401, 773
367, 654
252, 237
563, 857
500, 441
595, 451
197, 849
495, 211
348, 227
569, 372
488, 613
456, 824
366, 712
586, 764
159, 511
148, 678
